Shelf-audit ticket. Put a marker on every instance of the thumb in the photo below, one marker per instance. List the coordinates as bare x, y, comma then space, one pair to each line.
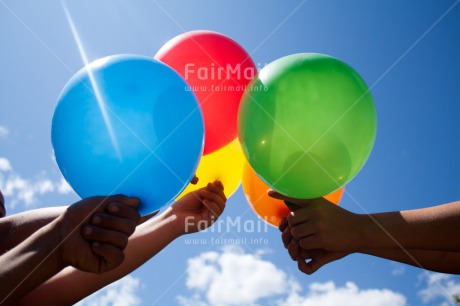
309, 267
292, 203
313, 265
276, 195
318, 259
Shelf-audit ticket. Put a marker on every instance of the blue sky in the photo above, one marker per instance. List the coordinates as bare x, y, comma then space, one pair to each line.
408, 53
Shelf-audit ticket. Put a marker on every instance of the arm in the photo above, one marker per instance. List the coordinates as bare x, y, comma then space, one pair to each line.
438, 261
17, 228
310, 261
29, 264
443, 262
78, 237
148, 239
200, 207
25, 224
324, 232
431, 228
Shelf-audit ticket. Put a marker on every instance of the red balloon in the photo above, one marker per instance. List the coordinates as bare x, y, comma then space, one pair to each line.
218, 70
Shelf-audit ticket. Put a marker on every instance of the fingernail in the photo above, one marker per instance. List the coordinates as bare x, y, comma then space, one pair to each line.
114, 208
88, 230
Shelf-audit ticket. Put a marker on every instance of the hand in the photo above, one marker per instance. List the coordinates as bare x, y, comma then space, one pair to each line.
308, 261
194, 181
2, 206
198, 209
94, 232
320, 224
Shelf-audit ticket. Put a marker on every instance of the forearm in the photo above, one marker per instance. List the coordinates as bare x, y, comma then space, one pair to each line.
29, 264
444, 262
17, 228
72, 285
433, 228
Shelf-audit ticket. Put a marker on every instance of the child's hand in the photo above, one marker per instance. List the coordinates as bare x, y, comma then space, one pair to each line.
198, 209
94, 232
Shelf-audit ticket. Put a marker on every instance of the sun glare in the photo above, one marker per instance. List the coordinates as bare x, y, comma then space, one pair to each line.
92, 79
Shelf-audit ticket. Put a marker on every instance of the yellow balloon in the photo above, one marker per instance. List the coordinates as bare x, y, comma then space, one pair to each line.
225, 165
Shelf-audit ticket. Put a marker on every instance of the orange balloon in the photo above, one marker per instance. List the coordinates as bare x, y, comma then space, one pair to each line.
267, 208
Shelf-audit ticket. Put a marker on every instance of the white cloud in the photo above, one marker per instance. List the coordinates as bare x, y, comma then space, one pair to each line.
22, 190
328, 294
439, 287
221, 275
398, 269
120, 293
195, 300
232, 277
26, 191
3, 132
5, 165
63, 187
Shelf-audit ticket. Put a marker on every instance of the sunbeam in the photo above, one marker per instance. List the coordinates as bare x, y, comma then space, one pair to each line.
94, 85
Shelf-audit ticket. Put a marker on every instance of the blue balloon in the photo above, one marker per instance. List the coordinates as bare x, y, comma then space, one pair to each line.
126, 124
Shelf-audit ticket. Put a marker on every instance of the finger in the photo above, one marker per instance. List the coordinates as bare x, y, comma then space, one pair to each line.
217, 189
110, 222
213, 208
302, 230
274, 194
292, 203
305, 266
123, 211
96, 233
310, 243
283, 224
220, 192
298, 217
111, 256
294, 250
194, 180
212, 197
219, 183
129, 201
304, 254
286, 237
292, 206
316, 262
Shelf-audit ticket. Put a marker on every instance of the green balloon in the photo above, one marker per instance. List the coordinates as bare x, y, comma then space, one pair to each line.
307, 124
